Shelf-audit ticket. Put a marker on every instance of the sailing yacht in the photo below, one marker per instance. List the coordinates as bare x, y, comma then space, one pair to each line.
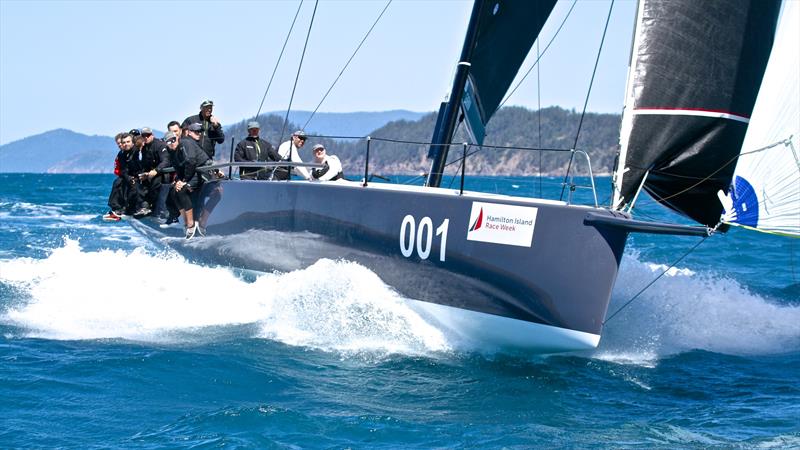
515, 272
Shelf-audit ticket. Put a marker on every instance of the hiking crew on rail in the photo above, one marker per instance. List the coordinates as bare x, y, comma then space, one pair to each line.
145, 163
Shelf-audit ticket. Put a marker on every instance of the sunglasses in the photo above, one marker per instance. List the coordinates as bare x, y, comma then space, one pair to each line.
171, 141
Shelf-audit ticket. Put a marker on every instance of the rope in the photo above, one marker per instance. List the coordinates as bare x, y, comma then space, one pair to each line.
297, 77
655, 279
347, 64
709, 176
279, 59
586, 101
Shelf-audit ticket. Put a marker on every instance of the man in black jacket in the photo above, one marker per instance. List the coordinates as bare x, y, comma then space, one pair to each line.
129, 168
211, 131
253, 148
155, 160
186, 159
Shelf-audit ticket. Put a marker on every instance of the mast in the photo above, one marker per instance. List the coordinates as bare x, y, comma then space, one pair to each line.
448, 114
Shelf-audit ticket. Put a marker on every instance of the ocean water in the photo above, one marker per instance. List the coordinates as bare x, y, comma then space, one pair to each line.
109, 341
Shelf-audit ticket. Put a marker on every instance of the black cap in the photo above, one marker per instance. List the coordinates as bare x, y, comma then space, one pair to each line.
195, 127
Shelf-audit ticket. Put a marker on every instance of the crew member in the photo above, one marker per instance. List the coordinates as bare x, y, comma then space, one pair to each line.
290, 151
332, 167
253, 148
154, 161
188, 179
129, 168
211, 131
116, 198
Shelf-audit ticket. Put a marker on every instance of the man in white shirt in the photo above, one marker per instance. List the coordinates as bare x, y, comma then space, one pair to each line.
290, 151
332, 167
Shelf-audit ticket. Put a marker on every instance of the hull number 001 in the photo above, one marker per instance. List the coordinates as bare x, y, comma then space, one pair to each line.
421, 239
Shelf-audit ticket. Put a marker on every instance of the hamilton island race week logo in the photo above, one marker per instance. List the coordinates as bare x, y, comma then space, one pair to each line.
476, 225
502, 224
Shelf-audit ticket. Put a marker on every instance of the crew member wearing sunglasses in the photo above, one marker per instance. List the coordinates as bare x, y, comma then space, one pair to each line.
290, 151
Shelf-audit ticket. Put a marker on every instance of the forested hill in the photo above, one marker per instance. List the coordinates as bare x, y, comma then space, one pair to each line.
64, 151
511, 127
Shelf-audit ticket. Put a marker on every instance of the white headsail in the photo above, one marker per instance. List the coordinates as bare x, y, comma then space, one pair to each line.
765, 190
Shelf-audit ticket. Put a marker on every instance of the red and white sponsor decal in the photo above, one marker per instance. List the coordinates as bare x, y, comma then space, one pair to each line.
502, 224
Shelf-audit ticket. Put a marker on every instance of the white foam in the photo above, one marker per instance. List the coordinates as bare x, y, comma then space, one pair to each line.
687, 310
31, 210
136, 295
343, 307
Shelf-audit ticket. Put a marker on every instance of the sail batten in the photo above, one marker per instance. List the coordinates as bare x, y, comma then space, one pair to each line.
696, 68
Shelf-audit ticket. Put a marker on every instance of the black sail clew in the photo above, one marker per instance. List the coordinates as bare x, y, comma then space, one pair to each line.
696, 69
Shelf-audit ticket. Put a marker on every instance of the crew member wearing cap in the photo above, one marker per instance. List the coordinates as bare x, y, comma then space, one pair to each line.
129, 169
188, 179
290, 151
211, 132
172, 140
332, 167
154, 160
253, 148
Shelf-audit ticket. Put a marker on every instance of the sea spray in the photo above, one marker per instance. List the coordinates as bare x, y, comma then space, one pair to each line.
141, 296
687, 310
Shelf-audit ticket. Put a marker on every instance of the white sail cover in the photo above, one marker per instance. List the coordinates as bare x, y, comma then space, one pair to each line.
765, 190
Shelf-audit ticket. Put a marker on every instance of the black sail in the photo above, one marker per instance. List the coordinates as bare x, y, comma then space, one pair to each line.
506, 32
499, 36
696, 68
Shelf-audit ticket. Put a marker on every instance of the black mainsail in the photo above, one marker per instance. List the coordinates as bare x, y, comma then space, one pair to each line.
696, 68
499, 36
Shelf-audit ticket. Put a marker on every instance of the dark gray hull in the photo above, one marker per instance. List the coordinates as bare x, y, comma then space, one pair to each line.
548, 293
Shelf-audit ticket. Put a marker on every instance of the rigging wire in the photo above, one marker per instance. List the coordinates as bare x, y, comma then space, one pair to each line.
536, 63
539, 112
655, 279
279, 59
586, 101
297, 77
347, 64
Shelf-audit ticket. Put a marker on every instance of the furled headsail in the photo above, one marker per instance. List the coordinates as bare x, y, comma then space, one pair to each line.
765, 191
696, 68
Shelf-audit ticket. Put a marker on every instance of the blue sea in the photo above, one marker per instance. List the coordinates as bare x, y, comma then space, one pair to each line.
108, 340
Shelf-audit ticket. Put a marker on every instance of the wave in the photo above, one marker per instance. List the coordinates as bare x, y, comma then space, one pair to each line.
136, 295
340, 306
690, 310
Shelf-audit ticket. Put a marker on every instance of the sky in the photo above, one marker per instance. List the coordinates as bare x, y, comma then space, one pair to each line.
100, 67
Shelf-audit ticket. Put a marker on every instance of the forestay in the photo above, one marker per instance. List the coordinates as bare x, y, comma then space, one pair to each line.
765, 192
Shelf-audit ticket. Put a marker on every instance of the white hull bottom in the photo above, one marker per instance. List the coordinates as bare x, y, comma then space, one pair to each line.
490, 332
